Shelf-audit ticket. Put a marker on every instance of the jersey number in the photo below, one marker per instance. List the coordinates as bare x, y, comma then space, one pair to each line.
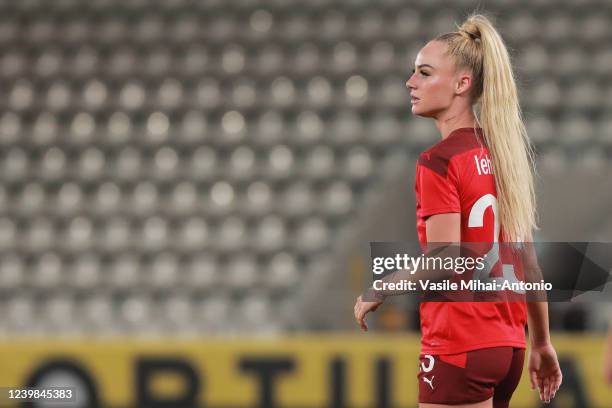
476, 220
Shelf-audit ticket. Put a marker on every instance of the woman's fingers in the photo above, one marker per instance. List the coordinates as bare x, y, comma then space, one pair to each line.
533, 378
546, 389
541, 388
557, 384
361, 309
364, 325
361, 312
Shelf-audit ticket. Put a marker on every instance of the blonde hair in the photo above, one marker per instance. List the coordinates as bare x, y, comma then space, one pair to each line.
478, 47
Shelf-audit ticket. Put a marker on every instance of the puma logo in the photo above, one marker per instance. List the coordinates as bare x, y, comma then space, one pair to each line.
429, 381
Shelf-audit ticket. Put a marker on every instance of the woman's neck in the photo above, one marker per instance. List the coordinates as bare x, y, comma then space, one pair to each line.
447, 123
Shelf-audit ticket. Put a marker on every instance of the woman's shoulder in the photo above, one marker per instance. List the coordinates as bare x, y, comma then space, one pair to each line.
450, 147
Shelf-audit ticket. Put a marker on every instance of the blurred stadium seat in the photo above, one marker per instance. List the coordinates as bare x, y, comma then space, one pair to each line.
186, 148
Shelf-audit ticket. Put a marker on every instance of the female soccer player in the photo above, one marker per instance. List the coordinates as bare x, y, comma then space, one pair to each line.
475, 185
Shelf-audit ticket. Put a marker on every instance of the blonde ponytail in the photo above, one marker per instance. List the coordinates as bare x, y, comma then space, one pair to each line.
478, 47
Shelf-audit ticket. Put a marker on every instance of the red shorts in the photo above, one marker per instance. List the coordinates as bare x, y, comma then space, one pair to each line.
471, 377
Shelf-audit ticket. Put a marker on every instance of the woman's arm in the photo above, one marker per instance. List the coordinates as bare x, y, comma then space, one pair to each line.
544, 370
537, 308
445, 228
537, 321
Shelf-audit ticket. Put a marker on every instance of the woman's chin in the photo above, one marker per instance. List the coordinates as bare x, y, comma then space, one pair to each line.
417, 112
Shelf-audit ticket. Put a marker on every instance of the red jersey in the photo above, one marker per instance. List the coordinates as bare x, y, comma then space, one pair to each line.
455, 175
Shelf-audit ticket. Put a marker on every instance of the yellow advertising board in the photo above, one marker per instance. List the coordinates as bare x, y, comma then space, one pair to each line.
362, 370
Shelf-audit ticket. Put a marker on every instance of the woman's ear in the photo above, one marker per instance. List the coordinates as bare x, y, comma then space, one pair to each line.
463, 84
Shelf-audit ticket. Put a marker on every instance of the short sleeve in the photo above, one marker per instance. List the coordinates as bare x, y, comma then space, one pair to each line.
437, 182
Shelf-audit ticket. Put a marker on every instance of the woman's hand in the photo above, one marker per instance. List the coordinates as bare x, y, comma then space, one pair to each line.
544, 371
362, 308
